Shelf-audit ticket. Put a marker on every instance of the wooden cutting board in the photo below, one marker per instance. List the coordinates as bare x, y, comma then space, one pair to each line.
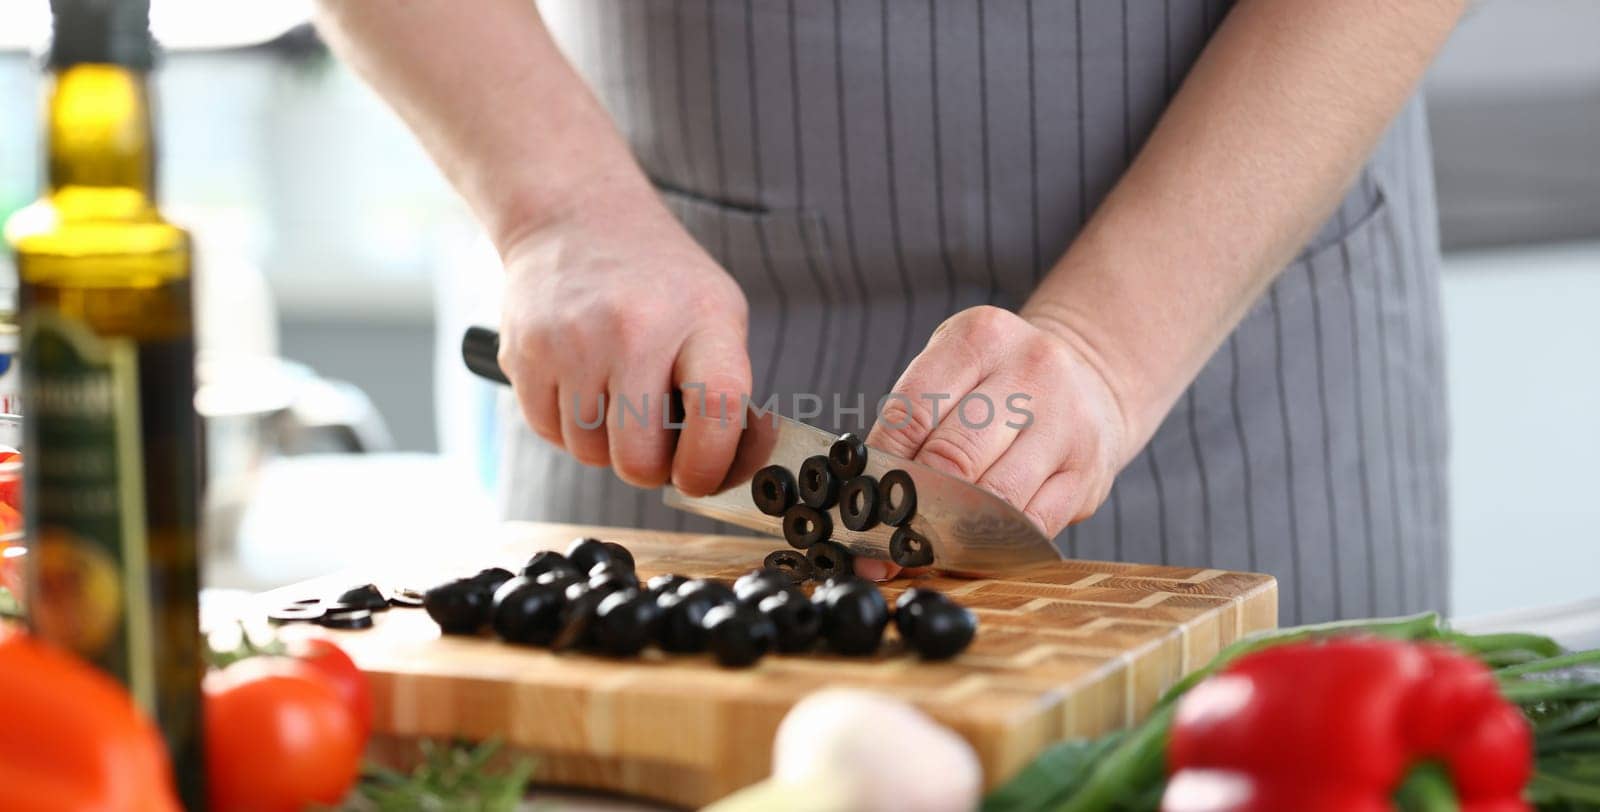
1070, 649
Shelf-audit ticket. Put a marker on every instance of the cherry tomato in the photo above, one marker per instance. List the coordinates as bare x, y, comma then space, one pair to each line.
340, 670
278, 737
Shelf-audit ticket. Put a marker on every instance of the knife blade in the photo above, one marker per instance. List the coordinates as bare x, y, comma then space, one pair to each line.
971, 530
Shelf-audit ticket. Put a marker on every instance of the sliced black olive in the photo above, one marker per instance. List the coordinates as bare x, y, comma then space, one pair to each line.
738, 635
614, 569
798, 621
493, 577
819, 488
942, 630
528, 612
620, 555
459, 607
584, 553
662, 584
405, 598
858, 503
625, 622
910, 605
299, 612
757, 584
773, 490
717, 589
897, 498
346, 618
791, 563
847, 457
366, 595
680, 630
908, 548
544, 561
854, 615
829, 559
561, 575
804, 526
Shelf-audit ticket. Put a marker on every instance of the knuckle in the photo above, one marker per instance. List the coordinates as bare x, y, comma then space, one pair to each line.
902, 424
954, 451
984, 324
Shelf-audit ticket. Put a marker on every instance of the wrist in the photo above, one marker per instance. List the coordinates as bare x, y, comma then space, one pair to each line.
1128, 388
558, 201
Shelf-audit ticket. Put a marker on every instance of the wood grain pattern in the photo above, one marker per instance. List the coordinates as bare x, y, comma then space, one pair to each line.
1070, 649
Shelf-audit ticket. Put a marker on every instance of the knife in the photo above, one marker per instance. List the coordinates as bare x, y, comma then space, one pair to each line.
971, 530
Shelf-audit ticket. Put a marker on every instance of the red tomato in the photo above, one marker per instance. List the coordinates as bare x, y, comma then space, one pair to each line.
278, 737
340, 670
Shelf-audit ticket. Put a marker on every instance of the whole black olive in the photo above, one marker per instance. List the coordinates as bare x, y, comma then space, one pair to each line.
757, 584
773, 490
819, 596
625, 622
798, 621
804, 526
614, 569
543, 562
721, 591
561, 575
528, 612
493, 577
830, 559
897, 498
858, 503
910, 605
738, 635
942, 630
853, 617
791, 563
584, 553
680, 630
459, 607
908, 548
367, 596
620, 555
818, 486
662, 584
847, 457
578, 614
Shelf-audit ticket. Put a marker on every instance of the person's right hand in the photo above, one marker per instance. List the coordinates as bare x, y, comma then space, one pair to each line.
615, 298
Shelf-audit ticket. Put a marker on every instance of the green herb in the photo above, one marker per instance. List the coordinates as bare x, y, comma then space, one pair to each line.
451, 778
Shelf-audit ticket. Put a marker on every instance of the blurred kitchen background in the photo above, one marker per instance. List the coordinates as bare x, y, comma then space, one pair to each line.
334, 256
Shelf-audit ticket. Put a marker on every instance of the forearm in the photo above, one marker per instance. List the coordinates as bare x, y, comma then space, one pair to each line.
1252, 155
495, 104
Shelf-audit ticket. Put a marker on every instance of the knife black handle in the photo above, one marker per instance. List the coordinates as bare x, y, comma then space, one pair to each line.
480, 349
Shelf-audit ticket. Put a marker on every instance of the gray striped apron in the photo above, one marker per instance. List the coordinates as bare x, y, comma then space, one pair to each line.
866, 168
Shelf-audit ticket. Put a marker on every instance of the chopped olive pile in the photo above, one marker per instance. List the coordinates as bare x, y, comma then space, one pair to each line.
352, 609
605, 609
838, 480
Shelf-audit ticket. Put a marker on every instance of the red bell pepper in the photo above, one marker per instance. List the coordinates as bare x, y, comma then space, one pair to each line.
1338, 725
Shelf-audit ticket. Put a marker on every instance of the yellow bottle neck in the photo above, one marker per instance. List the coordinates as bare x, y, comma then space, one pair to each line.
101, 146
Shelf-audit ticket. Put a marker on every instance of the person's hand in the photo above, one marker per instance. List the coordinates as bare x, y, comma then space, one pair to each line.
1017, 407
616, 299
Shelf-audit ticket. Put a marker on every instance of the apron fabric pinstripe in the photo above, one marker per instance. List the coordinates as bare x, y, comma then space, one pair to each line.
866, 168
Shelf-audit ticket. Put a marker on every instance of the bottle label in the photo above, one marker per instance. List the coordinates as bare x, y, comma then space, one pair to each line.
84, 496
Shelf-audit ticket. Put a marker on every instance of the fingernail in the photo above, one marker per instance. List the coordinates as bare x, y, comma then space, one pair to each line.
872, 569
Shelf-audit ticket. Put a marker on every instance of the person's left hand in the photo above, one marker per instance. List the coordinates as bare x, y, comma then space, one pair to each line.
1021, 408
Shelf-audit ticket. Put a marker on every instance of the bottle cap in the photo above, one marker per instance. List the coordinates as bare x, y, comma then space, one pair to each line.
101, 31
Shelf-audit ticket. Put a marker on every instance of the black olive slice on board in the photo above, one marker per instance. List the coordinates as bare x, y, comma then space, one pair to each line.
791, 563
620, 555
773, 490
804, 526
847, 457
858, 503
908, 548
897, 498
367, 595
346, 617
829, 559
819, 488
298, 612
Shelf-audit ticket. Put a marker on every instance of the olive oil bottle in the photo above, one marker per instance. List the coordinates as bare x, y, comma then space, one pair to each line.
107, 354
